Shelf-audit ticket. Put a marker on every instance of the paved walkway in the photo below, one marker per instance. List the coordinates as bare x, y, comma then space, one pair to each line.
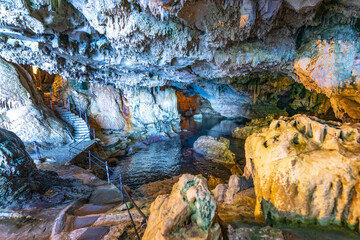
60, 156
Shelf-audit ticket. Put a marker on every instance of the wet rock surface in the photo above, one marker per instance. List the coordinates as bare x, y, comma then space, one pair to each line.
215, 150
264, 233
252, 126
307, 170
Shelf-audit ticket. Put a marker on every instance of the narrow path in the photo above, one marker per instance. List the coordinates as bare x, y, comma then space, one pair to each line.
79, 125
82, 141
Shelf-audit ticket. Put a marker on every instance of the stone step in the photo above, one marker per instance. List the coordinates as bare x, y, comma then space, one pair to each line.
80, 125
81, 131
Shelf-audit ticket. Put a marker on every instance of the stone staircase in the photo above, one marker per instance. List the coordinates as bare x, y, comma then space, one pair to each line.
81, 130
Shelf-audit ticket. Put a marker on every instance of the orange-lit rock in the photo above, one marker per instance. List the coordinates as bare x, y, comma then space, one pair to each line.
187, 106
305, 169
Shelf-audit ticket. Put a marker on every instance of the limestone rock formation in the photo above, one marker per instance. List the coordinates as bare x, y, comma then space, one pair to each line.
279, 94
235, 201
150, 42
307, 170
188, 211
24, 186
22, 110
149, 111
252, 126
170, 43
331, 65
215, 150
153, 111
227, 192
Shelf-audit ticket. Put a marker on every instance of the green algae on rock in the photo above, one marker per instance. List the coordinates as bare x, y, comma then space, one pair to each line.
188, 211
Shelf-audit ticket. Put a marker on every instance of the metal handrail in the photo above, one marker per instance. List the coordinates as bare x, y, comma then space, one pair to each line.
73, 146
116, 179
109, 170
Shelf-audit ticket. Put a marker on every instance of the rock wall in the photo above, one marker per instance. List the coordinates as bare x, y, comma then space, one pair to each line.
157, 43
149, 111
306, 170
23, 112
329, 63
279, 94
153, 110
188, 105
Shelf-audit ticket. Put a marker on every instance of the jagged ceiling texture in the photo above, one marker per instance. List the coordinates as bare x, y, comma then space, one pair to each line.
154, 42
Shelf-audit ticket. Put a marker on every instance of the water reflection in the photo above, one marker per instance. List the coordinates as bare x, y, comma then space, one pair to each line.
165, 159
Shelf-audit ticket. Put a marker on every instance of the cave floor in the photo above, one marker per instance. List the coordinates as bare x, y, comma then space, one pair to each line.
96, 214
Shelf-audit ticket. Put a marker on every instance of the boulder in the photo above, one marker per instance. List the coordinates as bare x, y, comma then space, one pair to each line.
235, 201
227, 192
188, 212
16, 168
215, 150
306, 170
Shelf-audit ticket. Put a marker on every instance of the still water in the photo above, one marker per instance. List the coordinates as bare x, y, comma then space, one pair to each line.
168, 158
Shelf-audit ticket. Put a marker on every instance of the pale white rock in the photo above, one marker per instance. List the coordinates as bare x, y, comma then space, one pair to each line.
106, 107
299, 5
153, 111
22, 109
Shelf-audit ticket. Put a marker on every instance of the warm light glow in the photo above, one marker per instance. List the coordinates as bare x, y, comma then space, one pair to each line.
34, 69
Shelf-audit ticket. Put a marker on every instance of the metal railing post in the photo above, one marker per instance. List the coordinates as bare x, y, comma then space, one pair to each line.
89, 160
107, 172
121, 188
86, 120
